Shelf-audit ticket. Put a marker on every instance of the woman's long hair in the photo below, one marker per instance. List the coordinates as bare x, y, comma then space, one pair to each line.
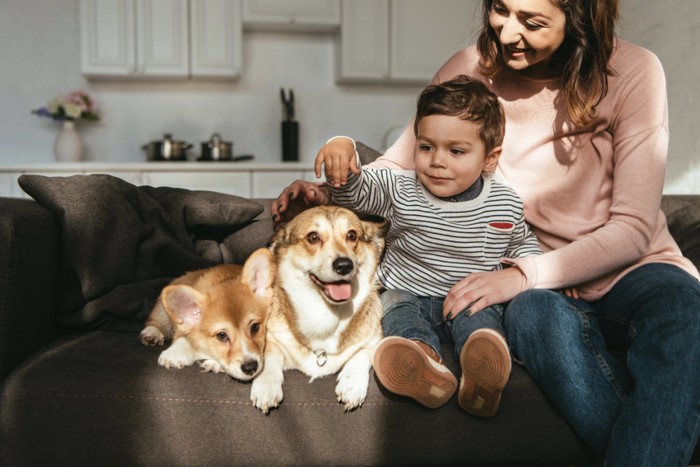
581, 60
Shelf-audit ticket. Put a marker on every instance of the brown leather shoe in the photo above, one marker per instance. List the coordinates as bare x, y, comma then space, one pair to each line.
486, 366
412, 368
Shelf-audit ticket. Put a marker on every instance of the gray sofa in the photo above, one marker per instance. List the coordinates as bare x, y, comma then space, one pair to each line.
78, 388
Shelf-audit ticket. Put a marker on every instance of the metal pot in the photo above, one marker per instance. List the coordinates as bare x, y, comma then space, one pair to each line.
216, 149
167, 150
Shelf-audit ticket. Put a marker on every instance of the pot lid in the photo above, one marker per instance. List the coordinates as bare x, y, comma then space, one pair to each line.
215, 141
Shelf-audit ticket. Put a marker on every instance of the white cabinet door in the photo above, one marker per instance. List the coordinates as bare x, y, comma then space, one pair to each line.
107, 34
162, 37
216, 38
401, 41
300, 15
363, 48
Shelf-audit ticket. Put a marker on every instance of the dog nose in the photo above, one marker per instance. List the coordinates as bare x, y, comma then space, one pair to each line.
342, 266
249, 367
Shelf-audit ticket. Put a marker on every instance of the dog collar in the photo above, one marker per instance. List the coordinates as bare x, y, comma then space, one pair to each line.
321, 357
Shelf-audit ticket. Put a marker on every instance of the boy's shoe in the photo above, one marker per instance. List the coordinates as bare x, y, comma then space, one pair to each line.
485, 362
412, 368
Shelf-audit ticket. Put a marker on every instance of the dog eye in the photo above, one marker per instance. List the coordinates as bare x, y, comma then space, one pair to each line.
254, 328
222, 336
352, 236
312, 237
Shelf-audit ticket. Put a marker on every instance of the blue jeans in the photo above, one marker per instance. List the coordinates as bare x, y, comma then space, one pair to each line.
420, 318
644, 411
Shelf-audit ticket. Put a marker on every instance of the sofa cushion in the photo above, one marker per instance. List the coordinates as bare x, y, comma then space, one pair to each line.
120, 244
99, 398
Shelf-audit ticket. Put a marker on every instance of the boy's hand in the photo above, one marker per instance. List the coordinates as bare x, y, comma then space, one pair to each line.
338, 156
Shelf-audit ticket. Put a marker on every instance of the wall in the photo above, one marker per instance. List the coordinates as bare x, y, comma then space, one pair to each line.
40, 59
671, 29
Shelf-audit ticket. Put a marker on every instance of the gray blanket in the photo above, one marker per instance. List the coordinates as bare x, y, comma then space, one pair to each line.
120, 244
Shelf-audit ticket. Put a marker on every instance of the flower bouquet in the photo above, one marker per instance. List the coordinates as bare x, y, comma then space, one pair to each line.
71, 107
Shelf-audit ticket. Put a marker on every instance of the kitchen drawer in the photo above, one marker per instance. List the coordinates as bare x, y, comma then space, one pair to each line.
268, 184
233, 183
310, 176
8, 184
133, 177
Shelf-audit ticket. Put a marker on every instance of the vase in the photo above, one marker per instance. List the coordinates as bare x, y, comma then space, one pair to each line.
68, 147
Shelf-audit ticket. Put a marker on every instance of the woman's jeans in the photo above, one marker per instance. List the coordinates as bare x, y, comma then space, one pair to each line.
420, 318
643, 412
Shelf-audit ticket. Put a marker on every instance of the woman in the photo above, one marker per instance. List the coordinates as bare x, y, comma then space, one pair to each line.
585, 147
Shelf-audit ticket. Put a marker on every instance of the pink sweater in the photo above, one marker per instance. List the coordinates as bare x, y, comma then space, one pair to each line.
593, 196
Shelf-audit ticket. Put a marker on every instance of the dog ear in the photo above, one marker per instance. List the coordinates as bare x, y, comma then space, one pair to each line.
184, 305
375, 230
279, 237
258, 272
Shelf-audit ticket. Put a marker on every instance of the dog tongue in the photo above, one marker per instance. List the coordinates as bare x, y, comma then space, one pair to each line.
339, 291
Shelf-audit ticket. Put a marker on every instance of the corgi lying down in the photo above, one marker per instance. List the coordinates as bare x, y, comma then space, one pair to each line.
216, 317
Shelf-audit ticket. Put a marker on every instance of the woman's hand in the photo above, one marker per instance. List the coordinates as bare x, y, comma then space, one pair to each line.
571, 292
483, 289
297, 197
339, 157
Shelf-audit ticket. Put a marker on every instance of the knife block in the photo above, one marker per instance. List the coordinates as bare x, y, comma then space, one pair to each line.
290, 141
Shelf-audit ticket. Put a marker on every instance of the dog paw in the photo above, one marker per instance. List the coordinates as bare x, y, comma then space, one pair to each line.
266, 396
151, 336
351, 391
211, 366
175, 358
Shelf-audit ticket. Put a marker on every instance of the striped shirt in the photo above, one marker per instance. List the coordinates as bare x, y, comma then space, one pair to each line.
432, 244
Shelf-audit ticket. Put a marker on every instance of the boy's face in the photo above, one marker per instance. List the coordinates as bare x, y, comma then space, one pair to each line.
450, 155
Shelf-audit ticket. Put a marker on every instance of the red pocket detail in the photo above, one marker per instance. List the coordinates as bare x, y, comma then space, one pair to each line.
502, 225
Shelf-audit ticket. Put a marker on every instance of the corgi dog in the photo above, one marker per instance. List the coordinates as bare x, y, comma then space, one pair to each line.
216, 317
326, 314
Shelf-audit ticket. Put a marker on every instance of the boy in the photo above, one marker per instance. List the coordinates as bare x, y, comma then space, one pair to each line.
449, 218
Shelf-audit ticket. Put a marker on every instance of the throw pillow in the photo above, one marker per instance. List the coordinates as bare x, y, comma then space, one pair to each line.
120, 244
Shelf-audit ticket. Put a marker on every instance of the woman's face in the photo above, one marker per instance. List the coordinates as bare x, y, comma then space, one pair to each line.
530, 31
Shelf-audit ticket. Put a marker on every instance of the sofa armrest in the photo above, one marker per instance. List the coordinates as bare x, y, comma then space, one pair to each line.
29, 255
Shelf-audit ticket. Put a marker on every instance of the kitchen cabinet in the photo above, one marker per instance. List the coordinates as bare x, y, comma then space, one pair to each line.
131, 38
363, 47
216, 38
249, 180
401, 41
107, 34
297, 15
161, 38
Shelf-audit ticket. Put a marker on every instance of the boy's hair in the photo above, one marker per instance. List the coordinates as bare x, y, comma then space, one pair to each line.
468, 99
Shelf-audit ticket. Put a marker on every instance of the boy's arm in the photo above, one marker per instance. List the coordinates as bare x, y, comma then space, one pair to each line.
369, 192
523, 241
